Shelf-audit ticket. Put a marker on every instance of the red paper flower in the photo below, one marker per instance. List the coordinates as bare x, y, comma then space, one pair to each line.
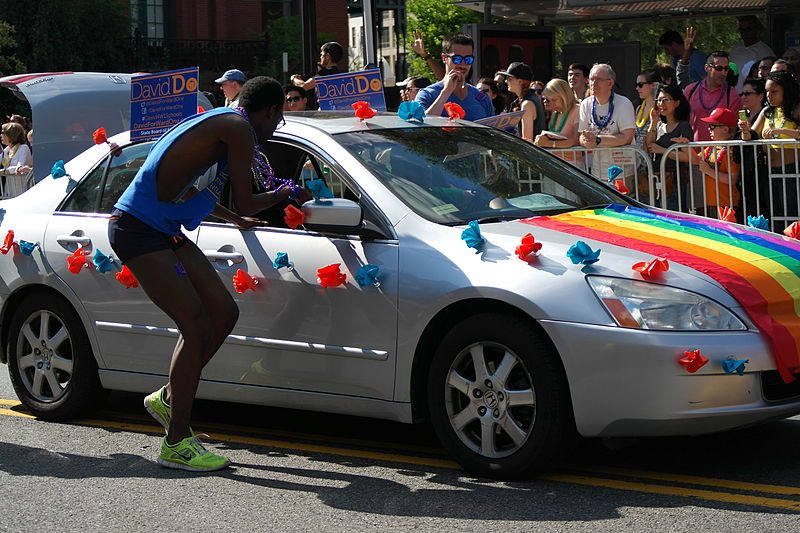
8, 243
454, 111
726, 213
527, 247
363, 110
620, 186
294, 217
99, 136
793, 230
330, 276
651, 267
243, 281
692, 361
127, 278
76, 261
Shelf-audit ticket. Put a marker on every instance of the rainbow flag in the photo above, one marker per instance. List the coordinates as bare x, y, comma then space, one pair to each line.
762, 272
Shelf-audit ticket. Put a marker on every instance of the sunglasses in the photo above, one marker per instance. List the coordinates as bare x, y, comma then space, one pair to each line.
747, 93
485, 90
664, 100
538, 91
293, 99
640, 84
457, 59
718, 68
715, 126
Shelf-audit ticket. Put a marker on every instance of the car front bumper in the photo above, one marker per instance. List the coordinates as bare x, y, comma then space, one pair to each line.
626, 382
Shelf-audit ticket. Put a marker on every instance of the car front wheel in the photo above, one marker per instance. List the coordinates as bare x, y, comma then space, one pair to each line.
50, 359
498, 399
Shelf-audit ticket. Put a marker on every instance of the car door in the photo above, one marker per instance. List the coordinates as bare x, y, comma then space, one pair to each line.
293, 333
132, 333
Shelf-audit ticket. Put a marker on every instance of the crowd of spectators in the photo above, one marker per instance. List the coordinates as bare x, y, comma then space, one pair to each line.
16, 165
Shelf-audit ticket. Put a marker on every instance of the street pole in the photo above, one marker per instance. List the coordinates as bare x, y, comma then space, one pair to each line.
308, 32
487, 11
369, 32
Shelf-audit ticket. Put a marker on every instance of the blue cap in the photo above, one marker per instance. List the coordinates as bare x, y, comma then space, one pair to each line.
231, 75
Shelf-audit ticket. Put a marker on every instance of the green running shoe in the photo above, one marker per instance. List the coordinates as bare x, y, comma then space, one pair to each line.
189, 454
158, 408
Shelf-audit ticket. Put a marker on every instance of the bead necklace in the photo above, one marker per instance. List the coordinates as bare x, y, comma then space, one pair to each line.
607, 118
713, 152
642, 118
723, 90
554, 120
262, 169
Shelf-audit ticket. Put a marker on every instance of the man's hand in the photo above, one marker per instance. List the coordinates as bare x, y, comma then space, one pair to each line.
689, 37
452, 81
419, 44
588, 139
248, 222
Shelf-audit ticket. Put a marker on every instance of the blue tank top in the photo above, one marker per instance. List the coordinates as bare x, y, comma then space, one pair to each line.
140, 199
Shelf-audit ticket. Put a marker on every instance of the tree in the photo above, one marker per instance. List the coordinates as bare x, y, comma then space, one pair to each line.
435, 19
10, 64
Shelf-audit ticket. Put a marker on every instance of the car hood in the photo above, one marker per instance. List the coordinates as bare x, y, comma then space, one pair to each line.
67, 107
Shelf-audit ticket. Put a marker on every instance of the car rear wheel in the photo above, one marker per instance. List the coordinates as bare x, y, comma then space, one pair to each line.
498, 399
50, 359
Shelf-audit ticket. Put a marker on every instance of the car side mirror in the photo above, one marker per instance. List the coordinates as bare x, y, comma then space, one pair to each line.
332, 212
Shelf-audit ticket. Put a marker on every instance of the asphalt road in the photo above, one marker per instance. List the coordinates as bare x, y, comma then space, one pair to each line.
297, 471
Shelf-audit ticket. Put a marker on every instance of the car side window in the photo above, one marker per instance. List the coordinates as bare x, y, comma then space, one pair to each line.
85, 195
121, 172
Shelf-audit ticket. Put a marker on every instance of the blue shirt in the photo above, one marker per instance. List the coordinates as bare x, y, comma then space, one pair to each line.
476, 105
697, 65
140, 199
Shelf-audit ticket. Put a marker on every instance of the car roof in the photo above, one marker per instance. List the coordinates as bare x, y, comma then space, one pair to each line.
333, 122
67, 107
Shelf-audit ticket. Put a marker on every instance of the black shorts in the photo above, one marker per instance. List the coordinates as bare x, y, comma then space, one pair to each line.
130, 237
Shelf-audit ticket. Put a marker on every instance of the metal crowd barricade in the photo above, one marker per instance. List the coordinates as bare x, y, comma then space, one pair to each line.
636, 164
767, 182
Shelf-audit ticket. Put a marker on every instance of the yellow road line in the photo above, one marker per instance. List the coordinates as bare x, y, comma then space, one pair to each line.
727, 497
693, 480
3, 401
300, 446
9, 412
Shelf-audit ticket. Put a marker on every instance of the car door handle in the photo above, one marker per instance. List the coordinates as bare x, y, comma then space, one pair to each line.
233, 257
74, 239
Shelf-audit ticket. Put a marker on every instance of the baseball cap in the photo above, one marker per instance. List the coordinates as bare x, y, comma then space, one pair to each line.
231, 75
723, 116
420, 82
518, 70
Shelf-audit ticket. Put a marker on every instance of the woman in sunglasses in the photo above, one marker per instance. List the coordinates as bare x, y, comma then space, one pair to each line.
647, 85
754, 98
492, 88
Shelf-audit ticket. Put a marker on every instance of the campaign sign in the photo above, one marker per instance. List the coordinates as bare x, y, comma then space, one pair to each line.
339, 91
503, 121
159, 101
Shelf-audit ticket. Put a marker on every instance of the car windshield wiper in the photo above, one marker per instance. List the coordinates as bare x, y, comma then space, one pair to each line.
489, 220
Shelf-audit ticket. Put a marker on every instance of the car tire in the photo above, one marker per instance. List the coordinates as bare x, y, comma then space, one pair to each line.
50, 360
511, 418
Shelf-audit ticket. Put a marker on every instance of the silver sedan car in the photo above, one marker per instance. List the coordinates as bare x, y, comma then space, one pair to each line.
473, 296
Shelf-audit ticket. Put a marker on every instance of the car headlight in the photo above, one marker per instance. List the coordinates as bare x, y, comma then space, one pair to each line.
642, 305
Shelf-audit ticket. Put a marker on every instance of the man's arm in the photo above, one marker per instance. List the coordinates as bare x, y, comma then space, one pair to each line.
419, 47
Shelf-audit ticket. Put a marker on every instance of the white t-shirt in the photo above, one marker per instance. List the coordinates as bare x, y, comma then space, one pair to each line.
13, 158
623, 118
741, 54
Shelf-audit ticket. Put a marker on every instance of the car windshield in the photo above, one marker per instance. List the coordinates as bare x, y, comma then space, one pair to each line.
454, 175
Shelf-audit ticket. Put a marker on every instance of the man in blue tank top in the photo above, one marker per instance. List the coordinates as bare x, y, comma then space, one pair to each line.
145, 233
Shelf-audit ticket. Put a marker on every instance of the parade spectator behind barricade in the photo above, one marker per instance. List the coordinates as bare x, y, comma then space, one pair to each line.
717, 163
754, 98
537, 87
781, 64
418, 46
296, 98
674, 46
733, 75
502, 88
329, 56
27, 170
648, 83
666, 73
231, 84
752, 48
669, 124
780, 120
712, 92
457, 57
490, 87
765, 65
792, 56
577, 77
410, 86
16, 154
519, 83
606, 120
562, 130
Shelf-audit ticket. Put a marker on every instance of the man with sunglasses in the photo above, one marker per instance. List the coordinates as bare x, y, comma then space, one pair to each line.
457, 58
710, 93
296, 98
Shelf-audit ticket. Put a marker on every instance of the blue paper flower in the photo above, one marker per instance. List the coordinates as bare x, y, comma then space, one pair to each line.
758, 222
472, 236
318, 189
411, 111
58, 170
367, 275
102, 261
27, 247
281, 261
613, 172
580, 252
734, 365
